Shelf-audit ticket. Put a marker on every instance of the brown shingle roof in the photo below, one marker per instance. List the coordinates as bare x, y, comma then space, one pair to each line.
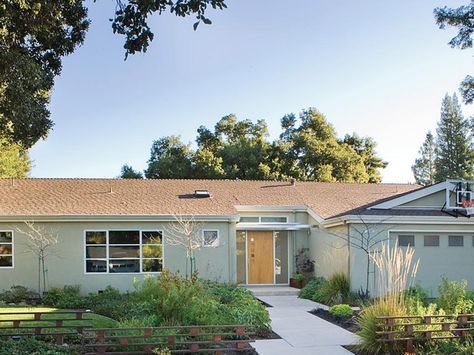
64, 197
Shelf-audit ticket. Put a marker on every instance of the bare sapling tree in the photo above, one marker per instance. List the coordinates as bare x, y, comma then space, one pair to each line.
185, 232
40, 240
366, 237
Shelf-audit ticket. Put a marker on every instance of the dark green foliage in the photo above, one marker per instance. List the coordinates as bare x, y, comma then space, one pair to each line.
464, 346
417, 294
337, 289
241, 150
341, 310
18, 294
127, 172
463, 19
453, 298
309, 290
424, 167
455, 147
68, 297
30, 345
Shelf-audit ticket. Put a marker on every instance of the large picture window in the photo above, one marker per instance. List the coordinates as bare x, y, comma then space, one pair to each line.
6, 249
123, 251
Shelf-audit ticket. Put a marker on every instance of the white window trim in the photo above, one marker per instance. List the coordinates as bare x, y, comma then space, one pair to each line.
218, 238
13, 250
260, 219
107, 245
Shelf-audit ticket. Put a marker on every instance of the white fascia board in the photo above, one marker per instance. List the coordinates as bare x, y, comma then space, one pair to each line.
114, 218
411, 196
386, 219
270, 208
272, 226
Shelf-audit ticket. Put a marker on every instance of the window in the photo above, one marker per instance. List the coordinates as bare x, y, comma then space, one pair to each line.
210, 238
6, 249
456, 241
406, 240
249, 219
273, 219
123, 251
431, 240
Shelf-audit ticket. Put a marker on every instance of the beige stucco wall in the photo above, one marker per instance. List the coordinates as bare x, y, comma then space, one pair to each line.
434, 200
65, 265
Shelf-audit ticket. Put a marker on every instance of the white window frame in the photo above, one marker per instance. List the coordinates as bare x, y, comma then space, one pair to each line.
218, 238
260, 219
107, 246
13, 250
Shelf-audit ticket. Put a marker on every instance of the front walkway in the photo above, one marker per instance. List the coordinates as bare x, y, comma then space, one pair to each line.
301, 332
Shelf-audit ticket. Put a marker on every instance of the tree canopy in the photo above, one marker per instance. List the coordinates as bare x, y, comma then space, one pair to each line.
35, 35
307, 149
463, 19
127, 172
14, 160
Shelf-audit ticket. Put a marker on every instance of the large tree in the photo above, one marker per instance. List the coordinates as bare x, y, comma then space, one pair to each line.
127, 172
169, 159
14, 160
463, 19
36, 34
455, 150
424, 166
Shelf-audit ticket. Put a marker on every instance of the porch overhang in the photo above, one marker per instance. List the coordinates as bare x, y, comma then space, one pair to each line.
272, 226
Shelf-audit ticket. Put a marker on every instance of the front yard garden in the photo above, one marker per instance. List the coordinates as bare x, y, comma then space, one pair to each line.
166, 300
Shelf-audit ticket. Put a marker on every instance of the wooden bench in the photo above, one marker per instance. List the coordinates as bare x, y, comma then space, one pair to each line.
217, 339
17, 324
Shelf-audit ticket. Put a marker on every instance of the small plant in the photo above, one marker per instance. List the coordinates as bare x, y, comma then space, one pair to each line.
341, 310
309, 290
299, 277
18, 294
336, 289
453, 297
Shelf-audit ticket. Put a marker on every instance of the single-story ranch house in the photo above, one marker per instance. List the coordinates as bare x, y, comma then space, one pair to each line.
114, 230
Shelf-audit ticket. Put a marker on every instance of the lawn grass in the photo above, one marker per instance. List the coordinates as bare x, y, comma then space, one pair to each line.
94, 320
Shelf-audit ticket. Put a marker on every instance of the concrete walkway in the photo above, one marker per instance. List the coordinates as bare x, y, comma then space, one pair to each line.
302, 332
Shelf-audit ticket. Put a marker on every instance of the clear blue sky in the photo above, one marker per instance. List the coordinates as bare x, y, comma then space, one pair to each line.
378, 68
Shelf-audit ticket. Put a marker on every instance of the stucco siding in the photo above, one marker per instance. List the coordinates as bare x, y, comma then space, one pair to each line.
65, 265
434, 200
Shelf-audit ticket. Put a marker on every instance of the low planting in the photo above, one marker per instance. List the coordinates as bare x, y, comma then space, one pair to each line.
311, 287
341, 310
333, 291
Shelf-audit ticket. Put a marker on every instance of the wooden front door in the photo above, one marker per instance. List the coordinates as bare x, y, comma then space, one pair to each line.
260, 257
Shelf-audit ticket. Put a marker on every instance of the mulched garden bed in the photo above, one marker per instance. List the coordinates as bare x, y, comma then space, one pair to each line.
346, 323
269, 335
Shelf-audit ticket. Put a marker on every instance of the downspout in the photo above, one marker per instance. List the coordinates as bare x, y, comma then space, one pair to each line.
229, 261
349, 250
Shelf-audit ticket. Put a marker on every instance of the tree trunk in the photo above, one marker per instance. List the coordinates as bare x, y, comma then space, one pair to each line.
367, 275
44, 274
39, 275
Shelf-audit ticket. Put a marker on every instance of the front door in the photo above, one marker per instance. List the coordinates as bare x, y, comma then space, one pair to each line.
260, 257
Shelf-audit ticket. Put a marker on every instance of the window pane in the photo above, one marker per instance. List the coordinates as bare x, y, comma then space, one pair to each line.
431, 240
151, 238
124, 252
6, 237
406, 240
96, 253
241, 255
96, 237
281, 257
6, 261
249, 219
6, 249
96, 266
123, 266
273, 219
152, 251
124, 237
456, 241
152, 265
211, 238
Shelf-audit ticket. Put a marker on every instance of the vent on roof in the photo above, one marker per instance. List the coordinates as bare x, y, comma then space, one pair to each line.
201, 193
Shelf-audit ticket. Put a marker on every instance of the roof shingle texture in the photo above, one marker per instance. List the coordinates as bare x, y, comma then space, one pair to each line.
102, 197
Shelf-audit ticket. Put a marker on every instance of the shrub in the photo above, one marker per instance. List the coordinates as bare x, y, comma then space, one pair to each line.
18, 294
336, 289
29, 345
417, 294
108, 303
341, 310
311, 287
67, 297
458, 346
452, 297
298, 277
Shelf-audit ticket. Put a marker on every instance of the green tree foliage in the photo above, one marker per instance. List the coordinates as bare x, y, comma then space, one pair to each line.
424, 167
36, 34
463, 19
455, 148
170, 159
14, 160
306, 150
127, 172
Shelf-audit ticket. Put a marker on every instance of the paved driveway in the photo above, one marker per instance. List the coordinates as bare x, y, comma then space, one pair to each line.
302, 332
